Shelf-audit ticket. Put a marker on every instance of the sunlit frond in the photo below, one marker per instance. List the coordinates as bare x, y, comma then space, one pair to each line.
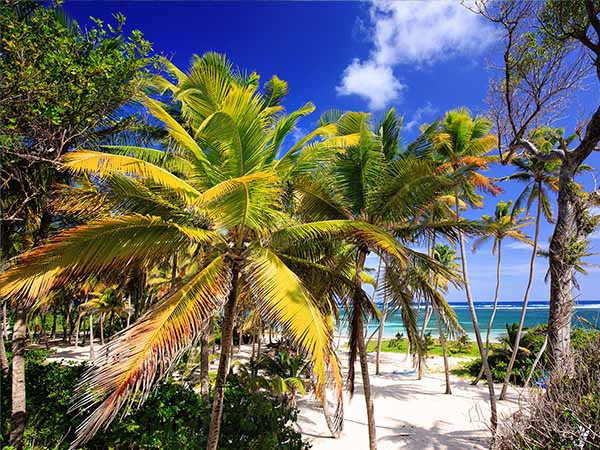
131, 364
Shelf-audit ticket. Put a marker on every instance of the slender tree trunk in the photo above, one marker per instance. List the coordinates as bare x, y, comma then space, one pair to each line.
259, 339
44, 333
18, 412
226, 346
101, 325
537, 360
53, 329
77, 329
128, 310
3, 358
561, 276
4, 321
380, 332
92, 353
204, 391
477, 332
515, 350
438, 319
362, 353
494, 308
67, 328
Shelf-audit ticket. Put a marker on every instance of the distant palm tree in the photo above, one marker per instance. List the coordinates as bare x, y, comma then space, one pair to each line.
219, 190
461, 144
505, 223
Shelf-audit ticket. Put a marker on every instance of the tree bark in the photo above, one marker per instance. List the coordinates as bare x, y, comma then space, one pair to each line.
477, 332
494, 308
223, 369
561, 277
438, 319
513, 356
4, 321
362, 353
18, 412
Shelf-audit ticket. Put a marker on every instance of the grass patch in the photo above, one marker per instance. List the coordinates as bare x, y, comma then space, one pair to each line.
401, 346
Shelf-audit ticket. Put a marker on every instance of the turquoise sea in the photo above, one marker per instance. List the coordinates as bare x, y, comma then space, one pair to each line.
508, 312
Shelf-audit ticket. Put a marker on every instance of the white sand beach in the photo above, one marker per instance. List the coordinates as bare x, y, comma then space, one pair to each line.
410, 414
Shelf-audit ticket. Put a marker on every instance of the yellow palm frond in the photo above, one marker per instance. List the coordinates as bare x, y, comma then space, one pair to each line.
144, 353
283, 299
106, 164
101, 246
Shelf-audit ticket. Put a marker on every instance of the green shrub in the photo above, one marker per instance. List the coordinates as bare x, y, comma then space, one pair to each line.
173, 417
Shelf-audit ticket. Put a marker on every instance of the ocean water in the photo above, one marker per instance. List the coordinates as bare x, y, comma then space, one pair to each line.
507, 313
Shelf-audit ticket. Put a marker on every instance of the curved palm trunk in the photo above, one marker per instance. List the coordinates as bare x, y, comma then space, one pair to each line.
438, 319
494, 308
484, 360
515, 351
226, 347
18, 411
362, 353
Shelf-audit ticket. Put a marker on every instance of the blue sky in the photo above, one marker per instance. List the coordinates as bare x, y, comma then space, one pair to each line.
421, 58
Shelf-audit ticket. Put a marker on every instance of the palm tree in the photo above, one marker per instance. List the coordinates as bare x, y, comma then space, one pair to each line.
505, 223
538, 175
461, 143
445, 256
217, 190
372, 182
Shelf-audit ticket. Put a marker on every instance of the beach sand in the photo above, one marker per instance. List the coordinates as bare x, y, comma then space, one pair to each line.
409, 413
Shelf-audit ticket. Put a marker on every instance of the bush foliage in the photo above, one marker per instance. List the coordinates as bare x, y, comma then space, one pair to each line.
173, 417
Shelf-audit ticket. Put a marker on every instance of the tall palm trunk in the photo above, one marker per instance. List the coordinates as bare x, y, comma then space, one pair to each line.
438, 319
494, 308
226, 347
18, 412
484, 360
515, 351
362, 351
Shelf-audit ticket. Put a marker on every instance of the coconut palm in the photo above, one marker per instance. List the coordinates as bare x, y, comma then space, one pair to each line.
445, 256
372, 182
505, 223
538, 176
461, 144
217, 190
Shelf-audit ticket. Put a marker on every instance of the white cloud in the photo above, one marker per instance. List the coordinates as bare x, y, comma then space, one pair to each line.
373, 82
414, 33
419, 115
